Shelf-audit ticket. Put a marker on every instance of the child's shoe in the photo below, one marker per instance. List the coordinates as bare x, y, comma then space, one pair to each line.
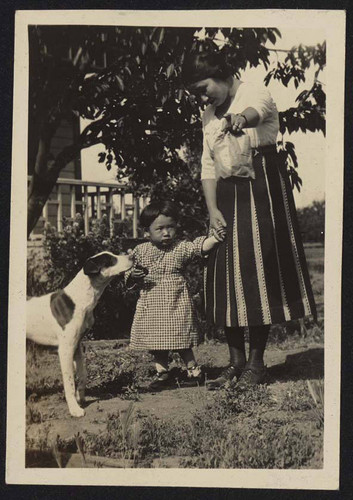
194, 376
160, 381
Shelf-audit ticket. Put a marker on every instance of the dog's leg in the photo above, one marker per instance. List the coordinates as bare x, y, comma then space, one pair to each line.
66, 356
81, 373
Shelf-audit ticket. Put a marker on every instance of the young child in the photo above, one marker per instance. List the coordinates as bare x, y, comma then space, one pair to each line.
165, 318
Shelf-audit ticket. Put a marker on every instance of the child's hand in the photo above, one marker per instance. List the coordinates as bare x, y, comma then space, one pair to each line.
139, 272
219, 233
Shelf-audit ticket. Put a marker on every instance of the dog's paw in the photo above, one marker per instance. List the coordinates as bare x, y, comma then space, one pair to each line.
77, 412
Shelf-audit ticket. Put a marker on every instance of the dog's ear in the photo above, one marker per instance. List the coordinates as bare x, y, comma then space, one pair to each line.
93, 265
62, 307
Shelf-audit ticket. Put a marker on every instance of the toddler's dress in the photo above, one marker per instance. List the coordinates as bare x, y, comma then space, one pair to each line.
165, 317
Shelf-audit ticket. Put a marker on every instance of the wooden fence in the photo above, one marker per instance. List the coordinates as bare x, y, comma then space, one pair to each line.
92, 200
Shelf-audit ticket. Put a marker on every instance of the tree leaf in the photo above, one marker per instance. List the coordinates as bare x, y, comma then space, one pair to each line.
170, 70
120, 83
161, 36
101, 157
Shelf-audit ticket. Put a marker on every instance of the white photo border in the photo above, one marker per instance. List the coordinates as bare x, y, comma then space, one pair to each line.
327, 478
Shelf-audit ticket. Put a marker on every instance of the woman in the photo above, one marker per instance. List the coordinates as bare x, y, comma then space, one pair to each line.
258, 275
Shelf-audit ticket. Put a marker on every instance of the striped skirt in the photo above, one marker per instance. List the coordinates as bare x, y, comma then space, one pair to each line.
258, 275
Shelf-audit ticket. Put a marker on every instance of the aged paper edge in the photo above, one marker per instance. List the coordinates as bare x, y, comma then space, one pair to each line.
333, 22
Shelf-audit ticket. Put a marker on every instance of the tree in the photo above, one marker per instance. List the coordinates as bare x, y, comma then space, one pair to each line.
312, 222
136, 102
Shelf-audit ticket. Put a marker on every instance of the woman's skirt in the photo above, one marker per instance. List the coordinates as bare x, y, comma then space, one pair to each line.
258, 275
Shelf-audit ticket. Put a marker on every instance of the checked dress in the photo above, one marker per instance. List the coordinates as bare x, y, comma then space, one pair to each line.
165, 317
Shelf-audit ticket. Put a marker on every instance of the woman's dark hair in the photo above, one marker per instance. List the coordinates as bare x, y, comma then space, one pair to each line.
156, 208
202, 65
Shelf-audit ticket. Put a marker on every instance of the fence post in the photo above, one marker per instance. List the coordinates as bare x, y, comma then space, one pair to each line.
99, 206
111, 212
86, 214
73, 202
91, 198
60, 210
46, 214
135, 217
122, 205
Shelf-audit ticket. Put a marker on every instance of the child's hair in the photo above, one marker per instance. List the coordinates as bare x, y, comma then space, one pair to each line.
202, 65
156, 208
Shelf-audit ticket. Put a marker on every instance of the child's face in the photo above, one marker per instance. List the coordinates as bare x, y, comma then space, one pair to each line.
162, 231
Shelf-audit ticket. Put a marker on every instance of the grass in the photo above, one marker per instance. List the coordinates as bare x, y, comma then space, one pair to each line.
232, 430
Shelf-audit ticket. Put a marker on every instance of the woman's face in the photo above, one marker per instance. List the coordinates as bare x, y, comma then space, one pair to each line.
211, 90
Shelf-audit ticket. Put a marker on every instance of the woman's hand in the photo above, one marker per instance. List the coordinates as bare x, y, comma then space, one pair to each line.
233, 123
218, 224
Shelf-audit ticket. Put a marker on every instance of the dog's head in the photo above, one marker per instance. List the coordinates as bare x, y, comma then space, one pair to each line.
107, 265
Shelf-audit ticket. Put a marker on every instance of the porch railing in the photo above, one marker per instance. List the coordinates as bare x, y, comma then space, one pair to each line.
92, 199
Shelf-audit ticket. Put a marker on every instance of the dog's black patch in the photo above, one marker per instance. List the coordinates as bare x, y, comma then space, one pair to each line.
62, 307
93, 265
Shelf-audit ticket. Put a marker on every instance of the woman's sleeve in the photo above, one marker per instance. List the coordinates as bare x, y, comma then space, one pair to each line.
207, 163
261, 100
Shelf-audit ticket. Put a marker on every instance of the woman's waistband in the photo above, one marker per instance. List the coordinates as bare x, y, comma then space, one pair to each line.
269, 148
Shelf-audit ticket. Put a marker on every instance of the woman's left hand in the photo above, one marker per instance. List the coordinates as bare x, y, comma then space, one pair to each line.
233, 123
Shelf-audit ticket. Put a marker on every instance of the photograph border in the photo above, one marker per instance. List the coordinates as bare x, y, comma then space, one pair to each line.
333, 22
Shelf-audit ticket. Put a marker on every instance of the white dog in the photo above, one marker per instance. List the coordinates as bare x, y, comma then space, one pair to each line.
61, 318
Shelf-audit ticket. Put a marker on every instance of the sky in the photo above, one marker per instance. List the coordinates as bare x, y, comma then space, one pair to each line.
310, 147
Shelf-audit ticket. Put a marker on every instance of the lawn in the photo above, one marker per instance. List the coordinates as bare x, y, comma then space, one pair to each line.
276, 425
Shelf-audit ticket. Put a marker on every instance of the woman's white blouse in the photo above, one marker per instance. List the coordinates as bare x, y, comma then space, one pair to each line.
265, 133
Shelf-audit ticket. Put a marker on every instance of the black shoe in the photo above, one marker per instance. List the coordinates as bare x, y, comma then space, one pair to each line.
251, 377
160, 381
227, 375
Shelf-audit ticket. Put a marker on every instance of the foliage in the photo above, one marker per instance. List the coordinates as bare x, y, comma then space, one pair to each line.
69, 250
42, 375
259, 445
184, 190
119, 373
312, 222
121, 438
138, 106
316, 389
310, 111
